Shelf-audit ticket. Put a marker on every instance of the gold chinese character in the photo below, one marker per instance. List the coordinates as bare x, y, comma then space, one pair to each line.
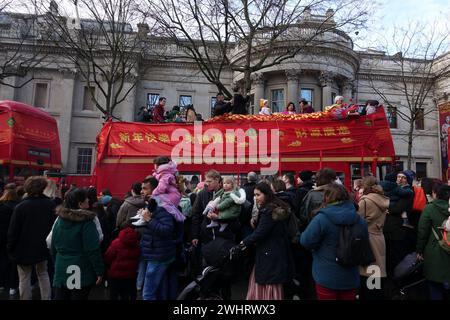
137, 137
124, 137
316, 133
150, 137
164, 138
301, 134
329, 132
342, 131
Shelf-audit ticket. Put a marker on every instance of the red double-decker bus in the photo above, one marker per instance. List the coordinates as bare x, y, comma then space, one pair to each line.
236, 145
29, 142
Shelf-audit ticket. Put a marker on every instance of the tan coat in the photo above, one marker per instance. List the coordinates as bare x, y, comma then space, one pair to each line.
373, 208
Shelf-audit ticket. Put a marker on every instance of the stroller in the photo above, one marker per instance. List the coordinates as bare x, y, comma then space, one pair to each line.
221, 257
409, 281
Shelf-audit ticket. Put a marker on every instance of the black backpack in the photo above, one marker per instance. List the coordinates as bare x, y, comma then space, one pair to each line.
353, 247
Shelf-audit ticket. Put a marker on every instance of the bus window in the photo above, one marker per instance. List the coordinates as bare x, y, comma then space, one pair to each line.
4, 173
355, 171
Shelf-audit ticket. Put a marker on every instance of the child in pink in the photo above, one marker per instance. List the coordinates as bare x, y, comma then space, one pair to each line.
166, 193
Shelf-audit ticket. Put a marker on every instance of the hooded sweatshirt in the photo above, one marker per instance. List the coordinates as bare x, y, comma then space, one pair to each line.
122, 256
322, 237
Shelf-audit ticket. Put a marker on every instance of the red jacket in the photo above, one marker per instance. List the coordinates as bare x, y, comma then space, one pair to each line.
122, 256
158, 113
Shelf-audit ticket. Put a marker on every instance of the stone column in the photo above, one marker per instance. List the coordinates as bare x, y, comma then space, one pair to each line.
258, 82
325, 80
347, 90
293, 77
65, 102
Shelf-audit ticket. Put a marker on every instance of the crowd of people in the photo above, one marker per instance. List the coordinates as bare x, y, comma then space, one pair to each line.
291, 233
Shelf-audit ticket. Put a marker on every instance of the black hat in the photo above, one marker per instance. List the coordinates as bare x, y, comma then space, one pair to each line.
306, 175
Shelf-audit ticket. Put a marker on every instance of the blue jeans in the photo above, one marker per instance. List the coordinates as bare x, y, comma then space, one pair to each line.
160, 281
438, 291
141, 274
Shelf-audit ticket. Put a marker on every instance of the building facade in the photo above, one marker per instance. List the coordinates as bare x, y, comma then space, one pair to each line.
317, 76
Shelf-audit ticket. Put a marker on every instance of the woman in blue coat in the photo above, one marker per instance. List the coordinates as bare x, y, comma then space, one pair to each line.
333, 281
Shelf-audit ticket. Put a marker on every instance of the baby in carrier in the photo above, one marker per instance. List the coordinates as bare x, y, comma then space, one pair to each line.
227, 204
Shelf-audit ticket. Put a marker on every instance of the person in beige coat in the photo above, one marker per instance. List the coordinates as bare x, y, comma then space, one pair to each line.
373, 206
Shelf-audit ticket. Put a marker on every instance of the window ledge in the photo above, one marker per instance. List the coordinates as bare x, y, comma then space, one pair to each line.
87, 114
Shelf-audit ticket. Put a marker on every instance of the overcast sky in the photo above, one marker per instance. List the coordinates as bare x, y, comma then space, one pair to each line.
401, 13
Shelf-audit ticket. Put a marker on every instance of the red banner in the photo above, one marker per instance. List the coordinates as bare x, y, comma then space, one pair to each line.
444, 125
361, 136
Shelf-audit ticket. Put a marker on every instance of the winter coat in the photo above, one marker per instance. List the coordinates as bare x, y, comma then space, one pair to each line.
292, 193
221, 107
322, 237
308, 109
75, 241
6, 212
200, 222
273, 258
240, 104
373, 208
312, 201
436, 259
249, 188
122, 256
158, 113
227, 208
30, 224
129, 209
400, 200
302, 191
186, 206
167, 185
158, 240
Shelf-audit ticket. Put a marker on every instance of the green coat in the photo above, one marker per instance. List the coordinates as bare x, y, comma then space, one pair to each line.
437, 261
227, 208
75, 242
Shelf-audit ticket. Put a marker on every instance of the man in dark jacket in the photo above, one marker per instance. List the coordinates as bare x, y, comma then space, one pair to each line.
159, 251
213, 183
289, 181
30, 224
304, 186
221, 106
249, 186
239, 102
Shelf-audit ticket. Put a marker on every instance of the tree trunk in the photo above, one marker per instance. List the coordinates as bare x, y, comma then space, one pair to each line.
247, 82
410, 141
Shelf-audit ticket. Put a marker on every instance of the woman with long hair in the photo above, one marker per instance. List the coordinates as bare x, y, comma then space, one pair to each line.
373, 207
273, 261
